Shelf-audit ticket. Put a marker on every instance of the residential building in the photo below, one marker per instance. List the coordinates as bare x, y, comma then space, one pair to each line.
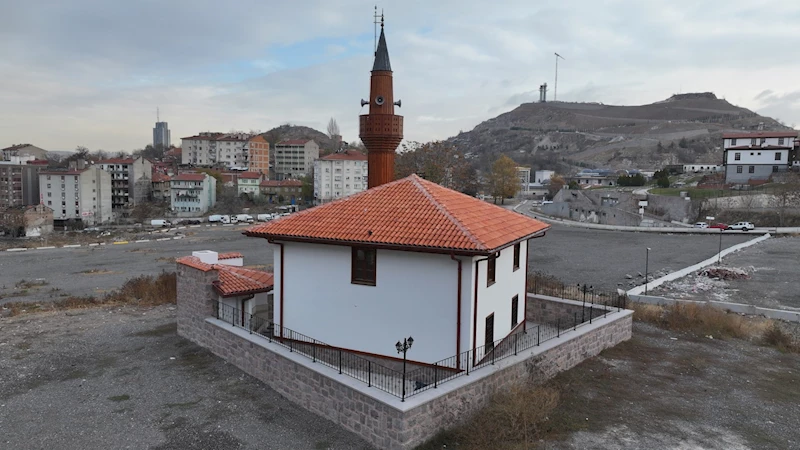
282, 191
79, 193
524, 174
756, 156
259, 155
248, 183
19, 184
131, 181
192, 194
543, 176
295, 158
161, 189
161, 135
699, 168
24, 150
339, 175
229, 150
399, 245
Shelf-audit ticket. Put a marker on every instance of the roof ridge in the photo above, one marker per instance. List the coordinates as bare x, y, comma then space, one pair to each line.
233, 272
416, 180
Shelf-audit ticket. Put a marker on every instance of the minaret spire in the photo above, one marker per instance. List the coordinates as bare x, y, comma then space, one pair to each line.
381, 130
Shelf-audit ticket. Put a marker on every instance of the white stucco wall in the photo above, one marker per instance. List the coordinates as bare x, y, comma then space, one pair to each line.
758, 156
415, 296
497, 297
786, 141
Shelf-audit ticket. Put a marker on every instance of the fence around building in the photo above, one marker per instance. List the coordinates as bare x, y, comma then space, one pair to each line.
406, 383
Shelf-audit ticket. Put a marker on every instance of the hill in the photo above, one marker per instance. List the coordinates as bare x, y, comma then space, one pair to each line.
683, 129
288, 131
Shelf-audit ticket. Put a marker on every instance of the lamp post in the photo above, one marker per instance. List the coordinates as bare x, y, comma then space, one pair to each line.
719, 252
646, 270
402, 347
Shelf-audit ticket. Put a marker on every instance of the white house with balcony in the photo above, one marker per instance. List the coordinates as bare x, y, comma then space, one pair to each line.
339, 175
407, 258
756, 156
248, 183
192, 194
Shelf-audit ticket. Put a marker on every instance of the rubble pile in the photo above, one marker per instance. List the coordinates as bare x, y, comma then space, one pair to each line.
724, 273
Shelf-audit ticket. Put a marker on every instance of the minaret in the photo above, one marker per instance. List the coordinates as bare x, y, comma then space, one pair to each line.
381, 130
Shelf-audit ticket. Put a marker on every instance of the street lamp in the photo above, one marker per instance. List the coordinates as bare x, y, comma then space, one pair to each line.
402, 347
646, 270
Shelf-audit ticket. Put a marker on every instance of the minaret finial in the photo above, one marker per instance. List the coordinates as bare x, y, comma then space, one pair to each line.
381, 18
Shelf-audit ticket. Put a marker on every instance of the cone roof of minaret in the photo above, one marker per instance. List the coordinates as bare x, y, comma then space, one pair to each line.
382, 55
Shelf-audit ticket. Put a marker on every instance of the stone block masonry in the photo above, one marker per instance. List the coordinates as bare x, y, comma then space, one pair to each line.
379, 418
551, 311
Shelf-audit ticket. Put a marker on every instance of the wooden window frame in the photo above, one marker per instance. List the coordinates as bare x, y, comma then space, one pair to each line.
364, 275
491, 270
514, 311
517, 251
488, 345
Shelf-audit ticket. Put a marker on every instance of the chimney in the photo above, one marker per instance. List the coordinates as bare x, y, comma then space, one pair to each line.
207, 256
81, 164
73, 165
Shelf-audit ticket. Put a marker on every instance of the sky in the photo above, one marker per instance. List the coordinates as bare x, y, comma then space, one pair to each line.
92, 72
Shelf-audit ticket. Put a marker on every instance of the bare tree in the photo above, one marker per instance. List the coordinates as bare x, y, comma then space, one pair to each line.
438, 162
333, 128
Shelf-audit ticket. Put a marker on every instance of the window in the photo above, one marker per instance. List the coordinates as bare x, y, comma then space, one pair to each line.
763, 140
738, 169
780, 141
777, 156
751, 169
490, 271
774, 168
753, 141
733, 141
514, 310
363, 266
516, 256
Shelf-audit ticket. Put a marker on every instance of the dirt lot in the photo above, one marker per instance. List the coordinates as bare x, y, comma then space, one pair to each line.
773, 270
121, 378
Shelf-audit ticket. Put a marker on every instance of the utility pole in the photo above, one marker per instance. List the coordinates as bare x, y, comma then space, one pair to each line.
555, 88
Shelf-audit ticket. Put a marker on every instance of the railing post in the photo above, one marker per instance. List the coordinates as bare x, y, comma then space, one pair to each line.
340, 361
538, 334
313, 350
515, 343
493, 353
369, 373
558, 327
291, 341
467, 364
435, 375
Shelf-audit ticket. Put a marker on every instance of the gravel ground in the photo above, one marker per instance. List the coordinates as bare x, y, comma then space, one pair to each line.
575, 255
773, 269
665, 389
122, 378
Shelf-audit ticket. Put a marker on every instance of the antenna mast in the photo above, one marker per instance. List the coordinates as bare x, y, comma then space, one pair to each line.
375, 22
158, 115
555, 88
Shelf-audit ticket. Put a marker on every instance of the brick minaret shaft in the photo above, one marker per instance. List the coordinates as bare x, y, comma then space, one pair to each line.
381, 130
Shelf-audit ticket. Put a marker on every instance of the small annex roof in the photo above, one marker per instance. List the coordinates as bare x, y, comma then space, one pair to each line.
760, 134
189, 177
159, 177
281, 183
407, 214
233, 280
250, 175
760, 147
116, 161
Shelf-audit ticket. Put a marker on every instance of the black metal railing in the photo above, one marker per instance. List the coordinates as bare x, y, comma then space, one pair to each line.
420, 378
544, 285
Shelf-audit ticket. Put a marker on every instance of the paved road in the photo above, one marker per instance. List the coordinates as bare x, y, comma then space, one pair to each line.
575, 255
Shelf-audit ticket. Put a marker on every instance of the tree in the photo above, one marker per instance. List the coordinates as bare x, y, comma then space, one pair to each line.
574, 185
504, 180
308, 186
786, 195
217, 175
333, 128
556, 183
438, 162
12, 221
683, 143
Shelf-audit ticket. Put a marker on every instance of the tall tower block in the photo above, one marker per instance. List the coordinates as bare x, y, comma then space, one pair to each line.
381, 130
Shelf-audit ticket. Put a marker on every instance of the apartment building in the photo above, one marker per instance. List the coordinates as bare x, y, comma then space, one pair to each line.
756, 156
248, 183
161, 189
79, 193
339, 175
282, 191
295, 158
19, 185
131, 182
229, 150
23, 150
259, 155
192, 194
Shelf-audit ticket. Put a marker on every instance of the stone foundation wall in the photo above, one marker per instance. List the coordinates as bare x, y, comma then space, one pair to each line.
563, 312
381, 421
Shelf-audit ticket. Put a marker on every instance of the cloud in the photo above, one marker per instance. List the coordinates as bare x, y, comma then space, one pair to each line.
90, 72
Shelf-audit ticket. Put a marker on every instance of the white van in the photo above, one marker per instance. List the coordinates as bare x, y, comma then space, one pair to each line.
160, 223
215, 218
245, 218
265, 217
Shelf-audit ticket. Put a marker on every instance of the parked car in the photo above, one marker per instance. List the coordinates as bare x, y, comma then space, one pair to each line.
191, 222
721, 226
742, 226
215, 218
701, 225
160, 223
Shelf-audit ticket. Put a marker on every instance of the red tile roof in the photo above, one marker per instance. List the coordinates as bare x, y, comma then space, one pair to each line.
229, 255
116, 161
348, 155
409, 214
250, 175
38, 162
759, 147
281, 183
160, 177
293, 142
760, 134
233, 280
189, 177
62, 172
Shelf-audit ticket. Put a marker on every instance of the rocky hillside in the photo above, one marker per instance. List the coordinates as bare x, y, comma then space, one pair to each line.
287, 132
685, 128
